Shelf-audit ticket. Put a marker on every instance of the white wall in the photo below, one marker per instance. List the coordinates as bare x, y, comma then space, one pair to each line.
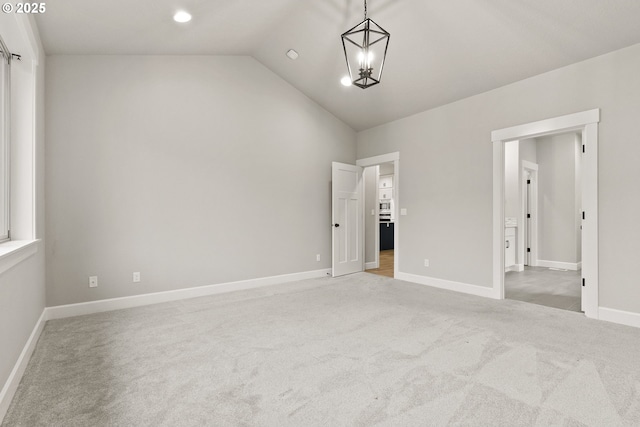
557, 198
528, 150
447, 171
512, 180
22, 288
578, 190
192, 170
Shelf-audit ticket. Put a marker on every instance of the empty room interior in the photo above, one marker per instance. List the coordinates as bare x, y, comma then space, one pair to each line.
285, 213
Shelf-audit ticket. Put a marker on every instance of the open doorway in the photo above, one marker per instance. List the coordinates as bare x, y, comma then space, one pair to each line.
380, 218
543, 206
586, 124
348, 214
381, 239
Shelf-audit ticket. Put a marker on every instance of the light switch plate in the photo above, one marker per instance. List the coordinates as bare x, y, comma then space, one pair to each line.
403, 211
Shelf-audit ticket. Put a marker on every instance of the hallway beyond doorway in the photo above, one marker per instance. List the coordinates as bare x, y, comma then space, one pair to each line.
386, 264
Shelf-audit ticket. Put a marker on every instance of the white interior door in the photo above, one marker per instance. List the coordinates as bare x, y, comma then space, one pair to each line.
347, 219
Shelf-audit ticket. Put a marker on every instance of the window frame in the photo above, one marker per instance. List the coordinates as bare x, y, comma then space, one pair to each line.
5, 141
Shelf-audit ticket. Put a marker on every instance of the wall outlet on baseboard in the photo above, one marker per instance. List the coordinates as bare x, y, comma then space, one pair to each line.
318, 257
93, 281
136, 277
426, 262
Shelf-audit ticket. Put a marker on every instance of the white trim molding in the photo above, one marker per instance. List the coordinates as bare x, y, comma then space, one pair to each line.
14, 252
573, 266
11, 385
619, 316
80, 309
532, 169
481, 291
376, 160
587, 123
565, 123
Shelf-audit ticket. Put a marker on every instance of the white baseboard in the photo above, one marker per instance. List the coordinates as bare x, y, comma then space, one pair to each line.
619, 316
514, 267
11, 385
574, 266
79, 309
447, 284
370, 265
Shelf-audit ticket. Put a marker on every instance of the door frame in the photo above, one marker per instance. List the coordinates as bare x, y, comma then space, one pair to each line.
376, 220
375, 161
587, 123
532, 168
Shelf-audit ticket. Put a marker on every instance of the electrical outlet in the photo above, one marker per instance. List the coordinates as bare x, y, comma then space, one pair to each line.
136, 277
93, 281
318, 257
426, 262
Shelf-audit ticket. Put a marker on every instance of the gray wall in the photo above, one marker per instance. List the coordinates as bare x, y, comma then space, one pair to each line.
386, 168
557, 198
370, 202
446, 158
192, 170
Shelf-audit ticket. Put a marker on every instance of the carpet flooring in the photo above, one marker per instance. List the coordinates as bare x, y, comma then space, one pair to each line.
544, 286
359, 350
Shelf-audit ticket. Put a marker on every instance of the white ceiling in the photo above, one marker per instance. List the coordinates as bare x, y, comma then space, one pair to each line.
439, 52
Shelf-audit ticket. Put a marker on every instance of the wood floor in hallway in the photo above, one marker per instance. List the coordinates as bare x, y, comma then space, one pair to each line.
385, 267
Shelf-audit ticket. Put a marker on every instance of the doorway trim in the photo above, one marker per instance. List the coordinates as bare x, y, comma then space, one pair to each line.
374, 161
532, 168
587, 123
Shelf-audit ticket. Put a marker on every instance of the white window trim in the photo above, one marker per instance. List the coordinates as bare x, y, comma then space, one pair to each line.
15, 251
19, 37
5, 144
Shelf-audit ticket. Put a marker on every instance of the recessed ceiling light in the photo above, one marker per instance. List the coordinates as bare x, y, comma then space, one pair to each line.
292, 54
346, 81
182, 16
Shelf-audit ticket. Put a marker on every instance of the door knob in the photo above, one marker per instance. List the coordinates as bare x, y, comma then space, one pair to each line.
336, 225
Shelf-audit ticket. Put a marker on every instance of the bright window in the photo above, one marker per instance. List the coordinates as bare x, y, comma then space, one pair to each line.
5, 135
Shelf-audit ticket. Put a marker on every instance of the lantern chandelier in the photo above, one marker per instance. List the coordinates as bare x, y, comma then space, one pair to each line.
365, 49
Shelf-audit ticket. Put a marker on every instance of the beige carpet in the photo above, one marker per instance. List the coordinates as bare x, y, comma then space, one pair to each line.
359, 350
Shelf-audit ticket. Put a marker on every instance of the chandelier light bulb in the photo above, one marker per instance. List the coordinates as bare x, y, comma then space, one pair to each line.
182, 16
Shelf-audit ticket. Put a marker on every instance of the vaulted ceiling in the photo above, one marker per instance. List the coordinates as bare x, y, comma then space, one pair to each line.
440, 51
